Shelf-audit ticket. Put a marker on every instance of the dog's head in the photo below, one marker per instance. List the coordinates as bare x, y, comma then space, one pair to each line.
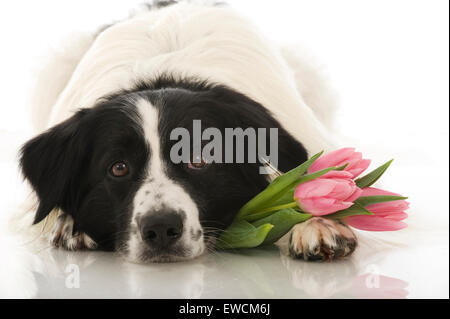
110, 168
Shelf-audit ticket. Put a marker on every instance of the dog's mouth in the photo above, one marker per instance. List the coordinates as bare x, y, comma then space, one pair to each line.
171, 254
168, 258
144, 254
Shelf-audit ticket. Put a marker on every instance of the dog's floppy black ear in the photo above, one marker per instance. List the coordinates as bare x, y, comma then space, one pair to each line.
291, 153
51, 163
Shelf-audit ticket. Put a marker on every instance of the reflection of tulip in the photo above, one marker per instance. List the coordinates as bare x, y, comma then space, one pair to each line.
327, 194
387, 216
374, 286
356, 164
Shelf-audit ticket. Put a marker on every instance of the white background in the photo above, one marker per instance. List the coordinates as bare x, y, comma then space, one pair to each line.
387, 60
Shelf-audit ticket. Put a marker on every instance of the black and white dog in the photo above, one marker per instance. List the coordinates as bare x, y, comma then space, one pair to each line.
101, 171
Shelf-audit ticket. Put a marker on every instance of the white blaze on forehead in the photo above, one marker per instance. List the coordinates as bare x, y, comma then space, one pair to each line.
158, 187
150, 122
158, 192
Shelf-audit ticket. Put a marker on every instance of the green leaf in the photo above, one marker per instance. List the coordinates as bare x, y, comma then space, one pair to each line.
269, 211
369, 200
355, 209
285, 197
242, 234
279, 185
373, 176
310, 177
341, 168
282, 222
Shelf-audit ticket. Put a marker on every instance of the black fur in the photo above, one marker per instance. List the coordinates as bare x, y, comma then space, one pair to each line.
158, 4
68, 166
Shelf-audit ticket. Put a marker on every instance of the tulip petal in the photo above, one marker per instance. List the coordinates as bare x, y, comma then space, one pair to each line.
351, 160
358, 167
374, 223
338, 174
322, 206
396, 216
315, 188
372, 191
355, 163
386, 207
356, 194
343, 189
331, 159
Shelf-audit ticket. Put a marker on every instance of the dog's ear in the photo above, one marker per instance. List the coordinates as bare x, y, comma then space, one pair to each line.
51, 162
241, 111
291, 152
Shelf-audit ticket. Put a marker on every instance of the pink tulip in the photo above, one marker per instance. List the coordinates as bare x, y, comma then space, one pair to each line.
375, 286
387, 216
356, 164
327, 194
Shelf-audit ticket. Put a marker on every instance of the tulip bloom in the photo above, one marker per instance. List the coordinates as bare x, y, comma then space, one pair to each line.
386, 216
327, 194
356, 164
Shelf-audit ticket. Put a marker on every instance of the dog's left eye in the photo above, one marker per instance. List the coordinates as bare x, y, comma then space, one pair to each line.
119, 169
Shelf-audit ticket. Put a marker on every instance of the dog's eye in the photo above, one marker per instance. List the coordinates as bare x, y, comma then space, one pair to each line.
200, 163
119, 169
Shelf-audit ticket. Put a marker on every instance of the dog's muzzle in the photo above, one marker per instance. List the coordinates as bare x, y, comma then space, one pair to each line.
161, 230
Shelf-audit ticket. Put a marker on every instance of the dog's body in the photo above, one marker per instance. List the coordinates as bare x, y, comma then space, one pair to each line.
136, 81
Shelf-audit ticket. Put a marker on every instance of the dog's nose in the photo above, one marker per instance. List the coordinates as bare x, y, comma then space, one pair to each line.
161, 230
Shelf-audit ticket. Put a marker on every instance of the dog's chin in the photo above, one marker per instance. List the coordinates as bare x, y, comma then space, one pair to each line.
168, 259
146, 256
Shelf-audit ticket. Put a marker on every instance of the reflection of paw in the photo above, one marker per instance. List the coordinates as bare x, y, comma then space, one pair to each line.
322, 280
321, 239
63, 236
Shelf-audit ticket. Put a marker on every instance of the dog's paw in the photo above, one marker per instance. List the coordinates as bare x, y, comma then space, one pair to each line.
321, 239
63, 235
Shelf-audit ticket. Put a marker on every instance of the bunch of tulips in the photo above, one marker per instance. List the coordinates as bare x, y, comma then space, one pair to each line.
327, 185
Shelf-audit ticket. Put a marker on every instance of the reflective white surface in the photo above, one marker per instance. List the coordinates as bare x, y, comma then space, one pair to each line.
412, 263
259, 273
393, 84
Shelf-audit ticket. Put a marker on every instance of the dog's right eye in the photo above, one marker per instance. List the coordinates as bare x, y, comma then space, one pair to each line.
119, 169
198, 164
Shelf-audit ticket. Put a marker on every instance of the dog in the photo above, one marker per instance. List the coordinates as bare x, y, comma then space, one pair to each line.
105, 108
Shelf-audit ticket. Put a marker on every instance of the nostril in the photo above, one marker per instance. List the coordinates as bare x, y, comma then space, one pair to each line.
151, 235
173, 233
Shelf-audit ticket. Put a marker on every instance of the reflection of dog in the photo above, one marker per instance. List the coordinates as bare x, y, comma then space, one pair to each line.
103, 177
155, 281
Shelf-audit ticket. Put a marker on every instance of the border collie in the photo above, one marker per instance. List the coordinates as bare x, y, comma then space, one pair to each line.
107, 104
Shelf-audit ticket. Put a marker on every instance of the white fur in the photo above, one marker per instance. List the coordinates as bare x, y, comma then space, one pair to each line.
212, 43
62, 235
312, 83
158, 191
53, 75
